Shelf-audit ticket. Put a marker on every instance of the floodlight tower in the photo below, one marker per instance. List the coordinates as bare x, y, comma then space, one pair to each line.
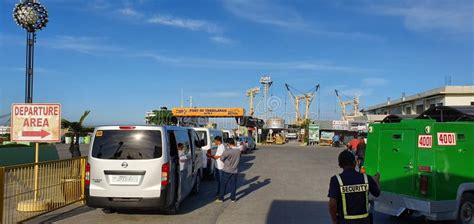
266, 82
31, 16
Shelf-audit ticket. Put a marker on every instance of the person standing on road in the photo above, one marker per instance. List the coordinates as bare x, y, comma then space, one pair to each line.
361, 152
219, 164
231, 159
335, 140
354, 143
349, 193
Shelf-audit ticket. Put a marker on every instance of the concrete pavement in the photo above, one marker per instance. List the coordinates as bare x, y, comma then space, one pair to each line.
278, 184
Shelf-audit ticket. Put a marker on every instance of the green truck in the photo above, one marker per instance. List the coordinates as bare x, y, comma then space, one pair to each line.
426, 164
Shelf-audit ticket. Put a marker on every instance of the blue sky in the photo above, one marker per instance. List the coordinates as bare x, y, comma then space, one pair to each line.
122, 58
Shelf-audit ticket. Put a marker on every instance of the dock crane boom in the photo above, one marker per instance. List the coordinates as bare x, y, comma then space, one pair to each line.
343, 105
308, 98
297, 100
355, 104
251, 95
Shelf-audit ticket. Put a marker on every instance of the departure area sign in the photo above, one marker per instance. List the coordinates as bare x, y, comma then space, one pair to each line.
208, 112
36, 123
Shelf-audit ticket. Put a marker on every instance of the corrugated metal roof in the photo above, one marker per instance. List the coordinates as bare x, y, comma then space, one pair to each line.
446, 90
5, 120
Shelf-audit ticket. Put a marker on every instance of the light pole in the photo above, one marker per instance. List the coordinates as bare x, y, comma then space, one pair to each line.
32, 16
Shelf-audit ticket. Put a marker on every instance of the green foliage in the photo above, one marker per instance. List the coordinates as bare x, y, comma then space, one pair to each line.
163, 117
77, 129
305, 125
6, 137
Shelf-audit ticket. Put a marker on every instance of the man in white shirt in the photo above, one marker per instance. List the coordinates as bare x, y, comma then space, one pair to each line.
219, 163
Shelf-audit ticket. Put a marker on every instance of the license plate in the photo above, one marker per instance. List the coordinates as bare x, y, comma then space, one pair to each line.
124, 179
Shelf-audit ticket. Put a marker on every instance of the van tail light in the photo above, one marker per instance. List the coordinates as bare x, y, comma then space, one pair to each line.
87, 179
424, 185
165, 171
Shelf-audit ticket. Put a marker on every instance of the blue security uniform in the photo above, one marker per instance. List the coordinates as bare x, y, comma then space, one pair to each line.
351, 191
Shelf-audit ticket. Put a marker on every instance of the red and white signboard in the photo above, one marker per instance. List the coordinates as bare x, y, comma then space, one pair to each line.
425, 141
445, 138
36, 123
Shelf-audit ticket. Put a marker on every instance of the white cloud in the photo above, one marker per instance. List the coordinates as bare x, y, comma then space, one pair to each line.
185, 23
351, 92
81, 44
99, 46
6, 39
130, 12
222, 94
374, 81
222, 40
270, 13
156, 57
423, 16
261, 11
255, 64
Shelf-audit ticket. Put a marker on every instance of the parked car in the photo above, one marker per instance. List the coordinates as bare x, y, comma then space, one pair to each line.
291, 136
142, 167
248, 142
208, 135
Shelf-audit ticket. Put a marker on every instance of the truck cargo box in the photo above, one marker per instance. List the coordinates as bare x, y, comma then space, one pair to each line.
426, 164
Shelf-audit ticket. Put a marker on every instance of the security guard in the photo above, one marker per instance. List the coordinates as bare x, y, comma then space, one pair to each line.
349, 193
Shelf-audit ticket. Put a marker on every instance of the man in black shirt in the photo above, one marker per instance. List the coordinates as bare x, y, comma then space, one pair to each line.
349, 193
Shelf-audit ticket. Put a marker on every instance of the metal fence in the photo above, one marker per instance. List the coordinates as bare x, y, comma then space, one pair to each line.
31, 190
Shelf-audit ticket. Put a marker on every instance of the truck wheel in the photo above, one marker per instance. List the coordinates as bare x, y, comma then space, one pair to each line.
466, 210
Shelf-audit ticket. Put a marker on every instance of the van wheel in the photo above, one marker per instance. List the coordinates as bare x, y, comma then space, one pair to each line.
108, 210
197, 185
466, 210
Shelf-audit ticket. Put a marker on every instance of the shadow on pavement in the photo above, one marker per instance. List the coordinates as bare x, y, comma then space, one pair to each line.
288, 212
51, 218
246, 162
253, 185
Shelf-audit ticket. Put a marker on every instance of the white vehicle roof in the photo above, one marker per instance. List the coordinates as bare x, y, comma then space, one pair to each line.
139, 127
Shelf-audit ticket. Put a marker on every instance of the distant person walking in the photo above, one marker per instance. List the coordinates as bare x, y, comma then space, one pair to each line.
354, 143
231, 159
219, 164
335, 140
360, 154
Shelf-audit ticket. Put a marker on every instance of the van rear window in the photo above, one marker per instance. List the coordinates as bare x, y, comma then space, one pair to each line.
203, 136
125, 144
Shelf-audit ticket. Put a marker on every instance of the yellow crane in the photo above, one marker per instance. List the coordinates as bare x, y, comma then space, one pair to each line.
251, 93
307, 98
355, 102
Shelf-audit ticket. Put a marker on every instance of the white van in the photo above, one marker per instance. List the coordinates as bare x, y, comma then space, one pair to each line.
208, 135
228, 134
143, 167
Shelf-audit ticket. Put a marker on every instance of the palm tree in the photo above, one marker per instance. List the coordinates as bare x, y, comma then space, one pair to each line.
76, 128
163, 117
